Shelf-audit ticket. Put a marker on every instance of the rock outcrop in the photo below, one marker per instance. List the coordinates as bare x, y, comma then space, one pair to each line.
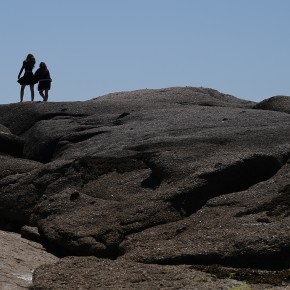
184, 182
19, 258
276, 103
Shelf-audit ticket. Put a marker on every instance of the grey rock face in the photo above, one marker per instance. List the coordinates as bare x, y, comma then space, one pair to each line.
106, 274
276, 103
19, 258
174, 176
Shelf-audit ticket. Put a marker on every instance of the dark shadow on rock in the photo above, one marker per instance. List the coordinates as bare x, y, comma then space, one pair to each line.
151, 182
264, 261
30, 233
123, 115
255, 276
278, 206
92, 167
119, 121
61, 248
44, 152
11, 144
237, 177
82, 136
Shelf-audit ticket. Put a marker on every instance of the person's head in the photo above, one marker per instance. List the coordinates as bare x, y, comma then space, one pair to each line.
43, 66
29, 56
30, 59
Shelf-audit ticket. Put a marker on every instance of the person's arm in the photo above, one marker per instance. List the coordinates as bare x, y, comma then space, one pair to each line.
48, 74
36, 75
22, 68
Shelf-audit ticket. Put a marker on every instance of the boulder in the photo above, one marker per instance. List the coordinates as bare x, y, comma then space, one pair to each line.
176, 176
19, 258
276, 103
94, 273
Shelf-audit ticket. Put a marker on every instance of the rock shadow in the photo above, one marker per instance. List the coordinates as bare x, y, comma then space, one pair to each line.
234, 178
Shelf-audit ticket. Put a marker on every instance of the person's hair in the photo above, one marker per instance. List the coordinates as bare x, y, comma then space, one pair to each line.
29, 56
30, 59
43, 66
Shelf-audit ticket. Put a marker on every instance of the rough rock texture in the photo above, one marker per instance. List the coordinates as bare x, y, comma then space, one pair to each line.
19, 257
180, 179
277, 103
106, 274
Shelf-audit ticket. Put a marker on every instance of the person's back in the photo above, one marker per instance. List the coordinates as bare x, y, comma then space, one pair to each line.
44, 80
42, 75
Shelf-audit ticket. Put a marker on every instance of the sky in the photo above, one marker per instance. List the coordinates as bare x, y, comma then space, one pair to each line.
96, 47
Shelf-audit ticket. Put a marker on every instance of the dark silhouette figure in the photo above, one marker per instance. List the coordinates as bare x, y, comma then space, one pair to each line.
28, 77
42, 75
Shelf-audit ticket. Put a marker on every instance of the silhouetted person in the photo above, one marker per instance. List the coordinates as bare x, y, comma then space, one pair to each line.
42, 75
28, 77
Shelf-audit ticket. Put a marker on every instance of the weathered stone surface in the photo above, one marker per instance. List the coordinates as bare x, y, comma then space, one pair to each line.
276, 103
93, 273
169, 177
250, 228
19, 258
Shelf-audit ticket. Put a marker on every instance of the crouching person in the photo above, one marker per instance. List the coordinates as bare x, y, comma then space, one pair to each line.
44, 81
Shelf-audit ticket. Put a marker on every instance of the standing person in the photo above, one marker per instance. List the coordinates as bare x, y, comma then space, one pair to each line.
42, 75
28, 77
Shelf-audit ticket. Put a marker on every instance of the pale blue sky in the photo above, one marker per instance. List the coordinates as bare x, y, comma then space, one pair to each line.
94, 47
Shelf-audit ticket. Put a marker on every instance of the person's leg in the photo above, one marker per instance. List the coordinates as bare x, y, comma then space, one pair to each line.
46, 95
32, 92
42, 94
22, 93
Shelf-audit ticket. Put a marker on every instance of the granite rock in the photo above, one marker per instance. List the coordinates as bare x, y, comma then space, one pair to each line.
169, 177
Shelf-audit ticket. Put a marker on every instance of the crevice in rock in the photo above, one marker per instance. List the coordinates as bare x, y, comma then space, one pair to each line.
265, 261
252, 276
79, 137
118, 121
11, 144
158, 174
55, 250
123, 115
45, 151
9, 226
152, 182
234, 178
63, 248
